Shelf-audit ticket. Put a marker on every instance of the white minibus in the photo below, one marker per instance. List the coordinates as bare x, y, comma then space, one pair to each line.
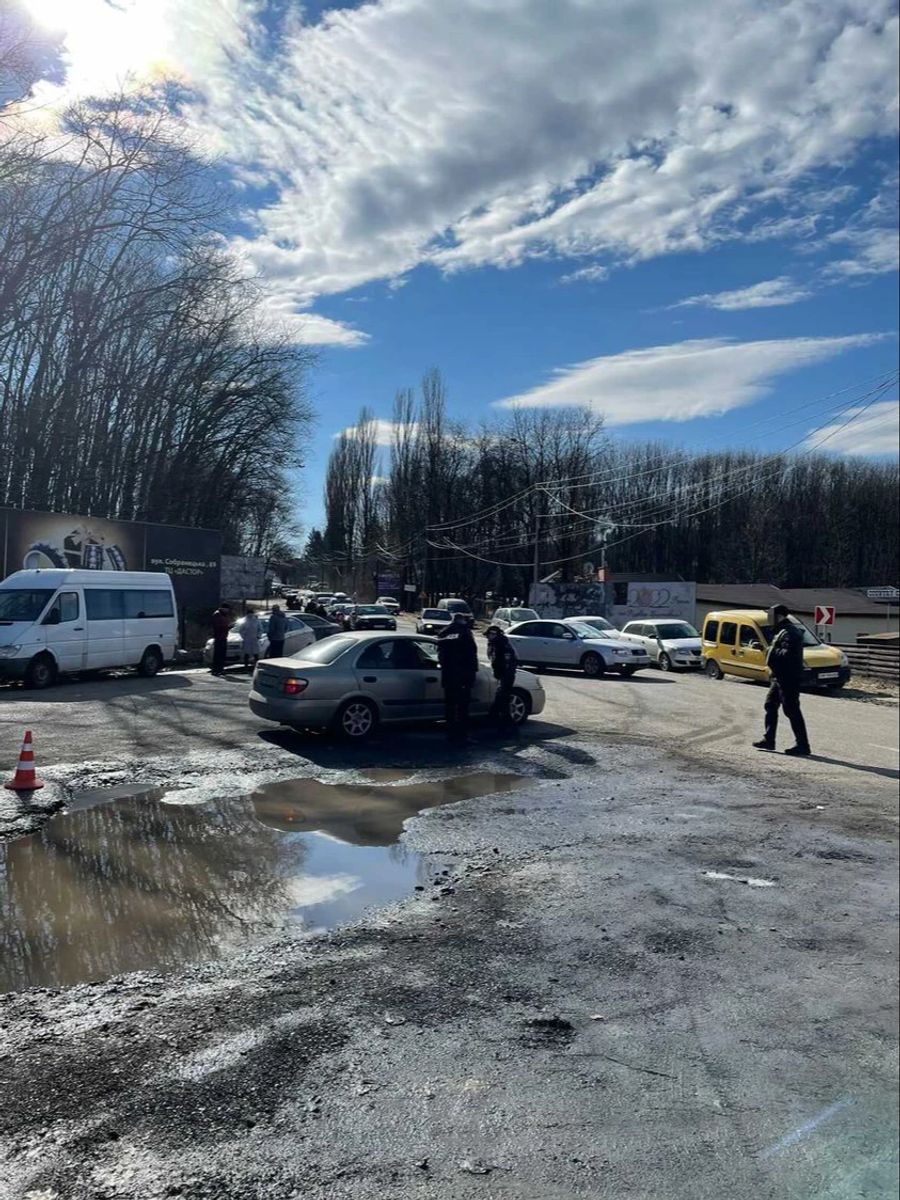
56, 622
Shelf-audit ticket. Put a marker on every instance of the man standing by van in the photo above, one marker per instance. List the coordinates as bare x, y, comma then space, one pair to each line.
785, 661
221, 624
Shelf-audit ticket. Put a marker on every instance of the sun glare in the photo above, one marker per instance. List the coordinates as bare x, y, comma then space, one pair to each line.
103, 43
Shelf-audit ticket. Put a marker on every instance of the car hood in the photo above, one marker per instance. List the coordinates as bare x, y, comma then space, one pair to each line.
688, 643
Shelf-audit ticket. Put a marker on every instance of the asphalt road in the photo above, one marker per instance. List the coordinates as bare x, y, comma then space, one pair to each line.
664, 967
854, 734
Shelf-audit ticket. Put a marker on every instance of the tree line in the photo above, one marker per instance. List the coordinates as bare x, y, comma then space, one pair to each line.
137, 377
454, 509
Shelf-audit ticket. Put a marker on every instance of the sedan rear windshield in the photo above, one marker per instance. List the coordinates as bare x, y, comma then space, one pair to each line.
370, 610
590, 631
327, 650
522, 614
23, 604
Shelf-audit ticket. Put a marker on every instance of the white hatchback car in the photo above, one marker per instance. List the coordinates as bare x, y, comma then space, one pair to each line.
570, 643
506, 617
673, 645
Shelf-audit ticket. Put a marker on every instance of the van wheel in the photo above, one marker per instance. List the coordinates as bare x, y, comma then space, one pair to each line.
593, 665
713, 670
356, 721
41, 672
151, 663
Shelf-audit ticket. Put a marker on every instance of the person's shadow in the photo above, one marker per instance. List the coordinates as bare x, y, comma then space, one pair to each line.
884, 772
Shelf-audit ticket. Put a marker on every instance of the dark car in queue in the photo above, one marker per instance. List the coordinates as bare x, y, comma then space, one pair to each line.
370, 616
320, 626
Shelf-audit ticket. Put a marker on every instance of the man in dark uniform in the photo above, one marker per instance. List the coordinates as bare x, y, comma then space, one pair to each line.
785, 661
221, 624
277, 632
503, 664
458, 657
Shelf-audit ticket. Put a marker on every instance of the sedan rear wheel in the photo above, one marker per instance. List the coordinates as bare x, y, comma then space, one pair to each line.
356, 721
593, 665
519, 707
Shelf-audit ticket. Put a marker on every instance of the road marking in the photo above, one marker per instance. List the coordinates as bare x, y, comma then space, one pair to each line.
878, 746
798, 1134
749, 879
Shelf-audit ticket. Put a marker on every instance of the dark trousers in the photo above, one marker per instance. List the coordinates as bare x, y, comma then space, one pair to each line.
276, 649
786, 696
502, 697
457, 698
220, 652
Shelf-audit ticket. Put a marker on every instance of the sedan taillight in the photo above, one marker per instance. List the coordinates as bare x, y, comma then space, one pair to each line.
293, 687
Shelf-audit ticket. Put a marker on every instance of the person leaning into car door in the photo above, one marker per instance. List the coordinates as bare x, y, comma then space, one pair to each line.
458, 657
785, 661
503, 664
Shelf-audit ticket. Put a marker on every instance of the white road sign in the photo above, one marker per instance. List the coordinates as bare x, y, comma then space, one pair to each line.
884, 593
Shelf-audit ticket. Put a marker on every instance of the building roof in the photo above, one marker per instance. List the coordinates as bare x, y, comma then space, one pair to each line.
846, 601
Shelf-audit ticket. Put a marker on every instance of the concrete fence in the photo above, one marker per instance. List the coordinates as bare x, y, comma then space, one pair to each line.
881, 662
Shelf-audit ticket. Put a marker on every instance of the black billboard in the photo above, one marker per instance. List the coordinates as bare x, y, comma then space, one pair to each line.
191, 557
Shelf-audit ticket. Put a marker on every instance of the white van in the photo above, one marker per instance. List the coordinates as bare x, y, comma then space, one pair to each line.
53, 622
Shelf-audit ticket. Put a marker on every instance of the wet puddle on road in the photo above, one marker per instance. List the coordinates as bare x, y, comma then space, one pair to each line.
124, 881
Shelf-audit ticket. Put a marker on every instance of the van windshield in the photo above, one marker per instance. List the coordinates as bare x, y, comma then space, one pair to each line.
809, 638
25, 604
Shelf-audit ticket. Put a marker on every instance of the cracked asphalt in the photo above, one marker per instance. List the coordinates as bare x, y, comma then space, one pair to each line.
665, 966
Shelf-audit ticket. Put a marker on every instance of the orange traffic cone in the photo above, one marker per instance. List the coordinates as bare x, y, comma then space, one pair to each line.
25, 779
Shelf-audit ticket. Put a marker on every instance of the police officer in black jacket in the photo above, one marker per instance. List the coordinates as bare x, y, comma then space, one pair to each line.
458, 657
503, 664
785, 661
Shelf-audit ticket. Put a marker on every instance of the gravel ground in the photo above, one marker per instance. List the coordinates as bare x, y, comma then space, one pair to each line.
639, 980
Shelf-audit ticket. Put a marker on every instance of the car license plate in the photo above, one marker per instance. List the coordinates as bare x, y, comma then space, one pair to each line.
828, 674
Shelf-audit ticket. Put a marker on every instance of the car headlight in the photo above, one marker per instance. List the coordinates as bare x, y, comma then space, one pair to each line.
9, 651
845, 661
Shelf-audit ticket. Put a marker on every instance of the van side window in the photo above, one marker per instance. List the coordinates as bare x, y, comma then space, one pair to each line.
728, 636
104, 604
711, 631
68, 606
749, 636
155, 603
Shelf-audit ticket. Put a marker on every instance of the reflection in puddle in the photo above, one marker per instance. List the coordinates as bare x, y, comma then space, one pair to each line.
138, 884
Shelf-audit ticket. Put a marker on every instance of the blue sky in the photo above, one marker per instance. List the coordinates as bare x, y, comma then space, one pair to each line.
680, 215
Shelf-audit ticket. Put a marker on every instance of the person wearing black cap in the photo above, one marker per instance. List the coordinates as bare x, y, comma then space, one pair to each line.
785, 662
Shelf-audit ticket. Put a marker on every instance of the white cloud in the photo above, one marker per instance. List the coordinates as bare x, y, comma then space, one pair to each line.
682, 381
595, 274
875, 252
384, 431
401, 132
770, 293
874, 430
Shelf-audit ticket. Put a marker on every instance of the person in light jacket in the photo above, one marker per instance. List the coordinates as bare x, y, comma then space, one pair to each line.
250, 639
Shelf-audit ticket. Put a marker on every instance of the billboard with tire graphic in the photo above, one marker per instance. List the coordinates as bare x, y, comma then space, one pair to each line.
36, 540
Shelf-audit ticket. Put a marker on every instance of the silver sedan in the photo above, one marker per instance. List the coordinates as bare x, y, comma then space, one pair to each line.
353, 682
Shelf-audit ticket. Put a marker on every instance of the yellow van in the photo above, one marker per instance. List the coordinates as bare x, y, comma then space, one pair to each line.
735, 642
